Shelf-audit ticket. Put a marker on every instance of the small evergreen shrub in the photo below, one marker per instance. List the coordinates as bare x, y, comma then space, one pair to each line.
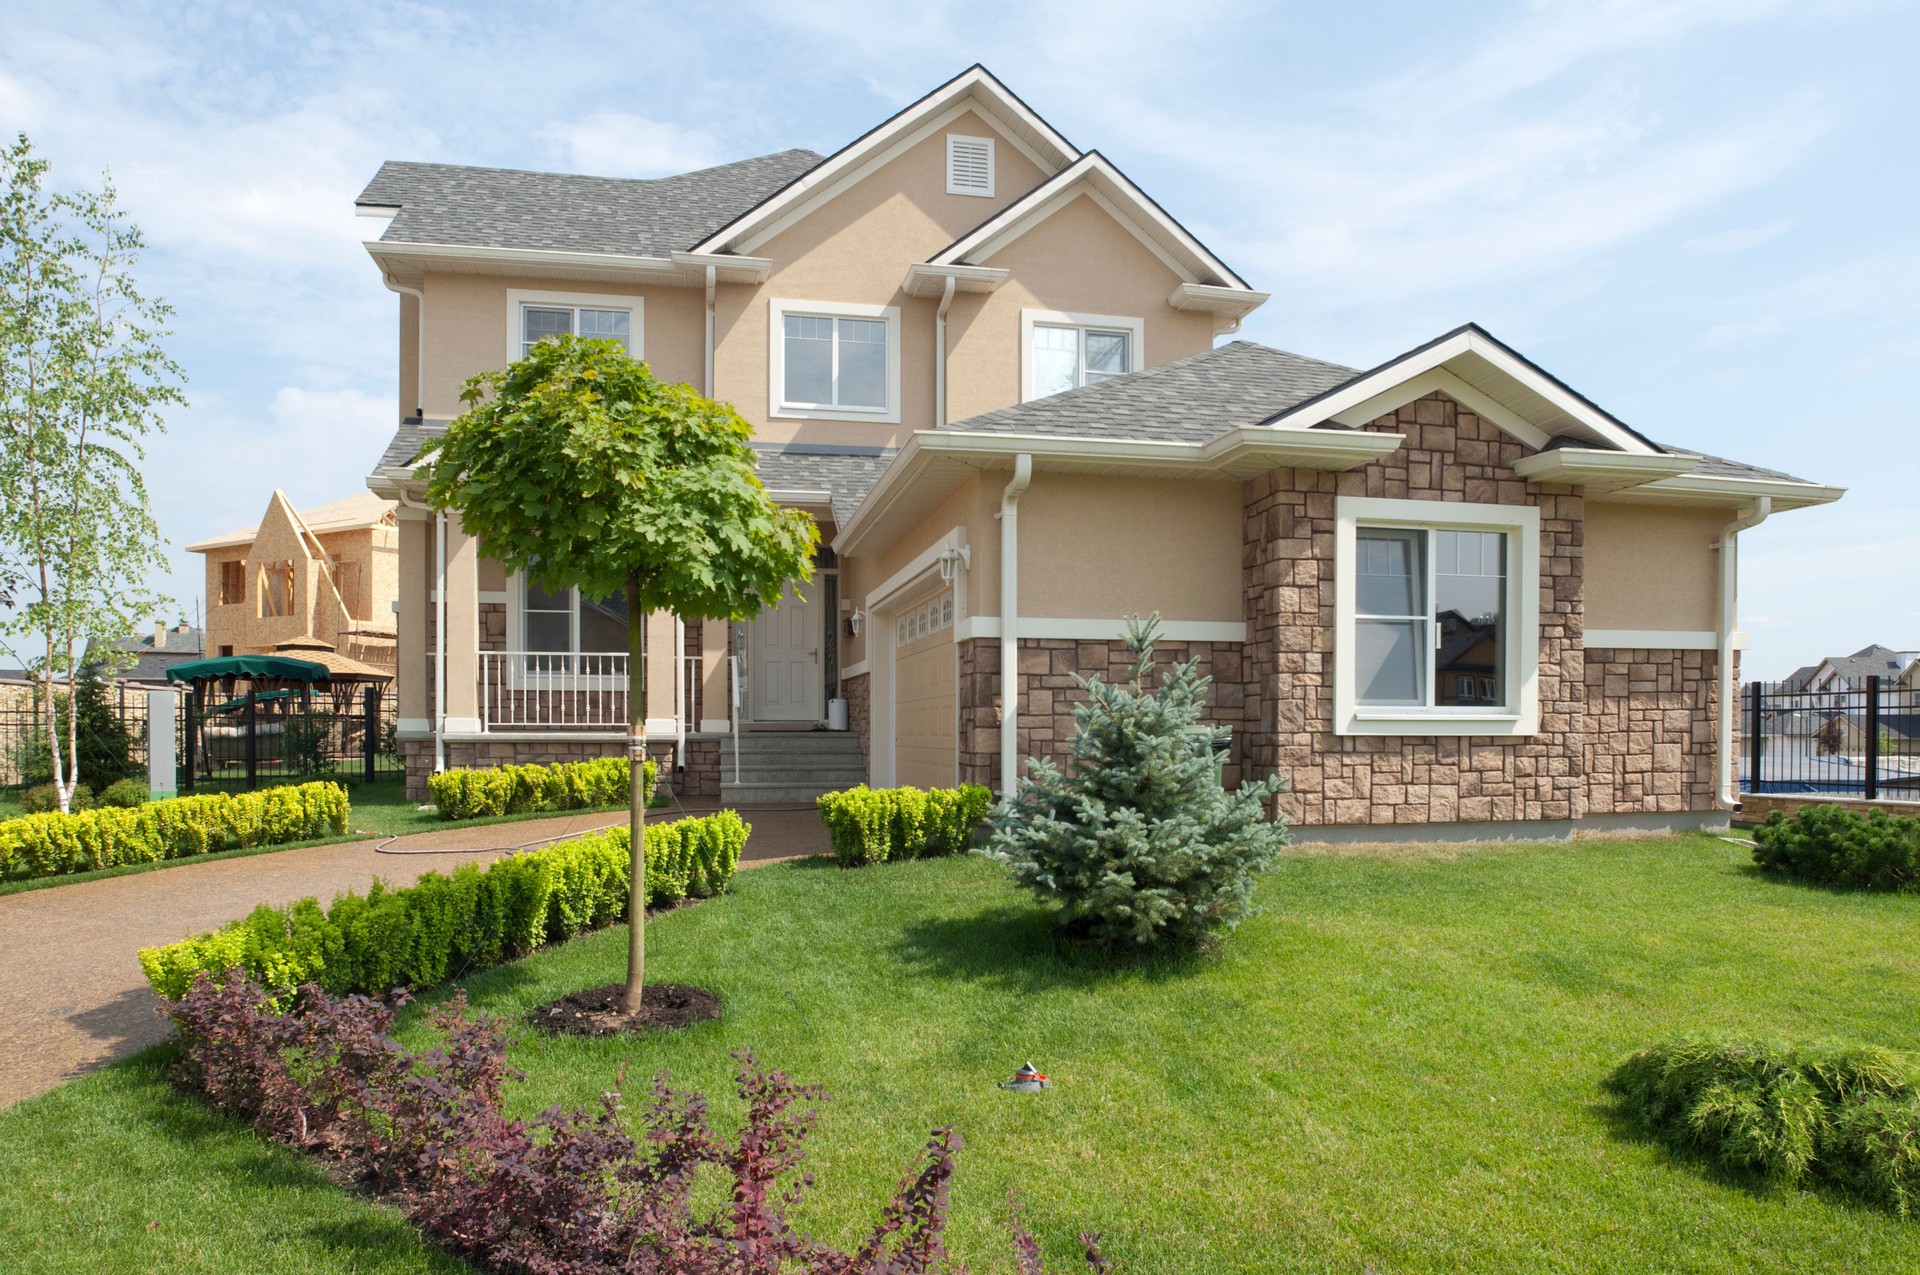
1832, 845
124, 794
45, 845
471, 918
576, 1191
873, 825
512, 790
44, 799
1845, 1115
1139, 841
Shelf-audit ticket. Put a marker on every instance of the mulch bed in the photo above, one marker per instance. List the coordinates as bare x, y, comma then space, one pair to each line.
597, 1012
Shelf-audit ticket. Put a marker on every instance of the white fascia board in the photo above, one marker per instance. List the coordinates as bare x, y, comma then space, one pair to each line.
1271, 447
1213, 298
383, 251
1607, 471
800, 496
733, 267
1380, 392
1715, 489
1118, 189
975, 83
927, 280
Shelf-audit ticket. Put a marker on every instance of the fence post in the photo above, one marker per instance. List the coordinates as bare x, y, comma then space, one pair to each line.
162, 775
1756, 741
1873, 737
253, 752
370, 735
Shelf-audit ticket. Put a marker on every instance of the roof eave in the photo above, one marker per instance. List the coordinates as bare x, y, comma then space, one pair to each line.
1717, 489
1600, 472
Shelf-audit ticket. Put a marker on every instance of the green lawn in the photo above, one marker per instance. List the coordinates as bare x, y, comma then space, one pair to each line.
1394, 1068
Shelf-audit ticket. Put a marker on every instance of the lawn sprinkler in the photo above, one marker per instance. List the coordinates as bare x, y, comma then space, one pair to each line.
1027, 1080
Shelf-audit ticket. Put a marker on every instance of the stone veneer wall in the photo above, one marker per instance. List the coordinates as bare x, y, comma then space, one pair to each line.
858, 691
1650, 730
1048, 695
1755, 808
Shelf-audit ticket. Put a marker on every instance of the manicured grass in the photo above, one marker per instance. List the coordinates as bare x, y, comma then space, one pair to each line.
1394, 1067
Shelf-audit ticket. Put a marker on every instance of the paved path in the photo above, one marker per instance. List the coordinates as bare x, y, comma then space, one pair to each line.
71, 992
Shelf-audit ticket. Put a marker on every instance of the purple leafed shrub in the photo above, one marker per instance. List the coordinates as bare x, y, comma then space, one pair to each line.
570, 1192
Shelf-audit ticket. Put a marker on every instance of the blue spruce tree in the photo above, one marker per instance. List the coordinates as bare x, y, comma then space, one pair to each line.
1139, 840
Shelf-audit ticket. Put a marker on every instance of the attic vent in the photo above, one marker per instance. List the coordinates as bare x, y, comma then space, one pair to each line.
969, 165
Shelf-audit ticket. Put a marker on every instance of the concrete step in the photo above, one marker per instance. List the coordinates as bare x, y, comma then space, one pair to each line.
773, 794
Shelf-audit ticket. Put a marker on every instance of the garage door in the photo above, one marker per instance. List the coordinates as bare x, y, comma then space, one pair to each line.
925, 677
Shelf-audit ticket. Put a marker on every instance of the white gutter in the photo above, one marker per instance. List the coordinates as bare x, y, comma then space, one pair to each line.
420, 332
1729, 578
1010, 624
712, 272
940, 355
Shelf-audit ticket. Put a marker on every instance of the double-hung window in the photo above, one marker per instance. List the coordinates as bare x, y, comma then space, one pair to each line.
567, 632
533, 317
1062, 352
835, 360
1437, 610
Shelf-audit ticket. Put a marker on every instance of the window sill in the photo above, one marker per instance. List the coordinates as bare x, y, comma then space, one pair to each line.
876, 415
1391, 722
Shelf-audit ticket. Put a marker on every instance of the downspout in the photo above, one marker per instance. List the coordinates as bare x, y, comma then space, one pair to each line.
940, 356
1010, 624
420, 333
440, 645
1729, 576
712, 278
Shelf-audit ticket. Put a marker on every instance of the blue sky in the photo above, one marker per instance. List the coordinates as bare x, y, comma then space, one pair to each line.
1701, 214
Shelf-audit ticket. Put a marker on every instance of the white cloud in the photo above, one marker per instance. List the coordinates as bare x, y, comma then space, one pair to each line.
621, 144
1743, 238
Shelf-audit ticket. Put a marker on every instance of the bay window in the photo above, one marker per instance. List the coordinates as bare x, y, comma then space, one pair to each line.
1437, 614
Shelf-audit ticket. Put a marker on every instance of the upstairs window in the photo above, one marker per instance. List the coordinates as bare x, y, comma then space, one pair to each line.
233, 582
536, 316
969, 165
835, 360
1065, 351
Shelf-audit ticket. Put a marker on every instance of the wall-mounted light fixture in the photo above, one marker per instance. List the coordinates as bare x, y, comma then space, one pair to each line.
854, 622
955, 557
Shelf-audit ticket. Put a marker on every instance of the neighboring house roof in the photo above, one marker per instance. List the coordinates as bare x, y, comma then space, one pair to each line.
565, 212
845, 476
351, 514
155, 653
1869, 661
1189, 400
1798, 679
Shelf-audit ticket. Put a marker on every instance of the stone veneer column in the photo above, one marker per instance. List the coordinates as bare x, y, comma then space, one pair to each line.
716, 683
414, 648
463, 629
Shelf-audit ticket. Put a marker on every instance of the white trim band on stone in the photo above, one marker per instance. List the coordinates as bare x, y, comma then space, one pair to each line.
1078, 630
1659, 639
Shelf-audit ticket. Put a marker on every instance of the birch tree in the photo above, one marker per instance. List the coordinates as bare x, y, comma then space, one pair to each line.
83, 383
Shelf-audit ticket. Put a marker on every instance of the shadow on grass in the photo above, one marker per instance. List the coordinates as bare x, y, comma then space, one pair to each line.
1021, 949
1622, 1127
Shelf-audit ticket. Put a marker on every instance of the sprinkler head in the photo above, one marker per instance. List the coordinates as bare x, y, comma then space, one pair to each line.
1029, 1079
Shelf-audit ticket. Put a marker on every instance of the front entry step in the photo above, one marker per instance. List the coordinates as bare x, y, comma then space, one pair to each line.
789, 767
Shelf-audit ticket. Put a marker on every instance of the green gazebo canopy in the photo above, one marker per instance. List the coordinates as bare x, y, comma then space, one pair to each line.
256, 667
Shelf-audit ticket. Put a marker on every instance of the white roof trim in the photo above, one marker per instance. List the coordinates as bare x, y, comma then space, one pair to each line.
1720, 489
930, 281
1117, 194
1006, 114
1597, 472
1356, 402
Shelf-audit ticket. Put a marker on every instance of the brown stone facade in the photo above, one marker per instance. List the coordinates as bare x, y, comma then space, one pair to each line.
858, 691
1620, 732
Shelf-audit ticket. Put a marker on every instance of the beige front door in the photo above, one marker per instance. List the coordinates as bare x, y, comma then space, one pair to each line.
926, 722
785, 679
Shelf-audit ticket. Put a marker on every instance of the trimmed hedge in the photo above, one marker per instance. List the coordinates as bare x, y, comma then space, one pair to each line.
1832, 845
873, 825
513, 790
178, 828
1846, 1115
443, 926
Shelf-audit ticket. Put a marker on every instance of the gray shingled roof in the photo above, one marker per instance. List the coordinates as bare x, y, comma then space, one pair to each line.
848, 476
407, 442
1189, 400
1721, 467
1870, 661
565, 212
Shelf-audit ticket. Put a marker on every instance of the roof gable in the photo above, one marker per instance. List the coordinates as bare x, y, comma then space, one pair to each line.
975, 89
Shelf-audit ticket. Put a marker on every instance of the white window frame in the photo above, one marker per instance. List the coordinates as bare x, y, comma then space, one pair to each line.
777, 406
1135, 327
952, 138
519, 298
1519, 715
517, 635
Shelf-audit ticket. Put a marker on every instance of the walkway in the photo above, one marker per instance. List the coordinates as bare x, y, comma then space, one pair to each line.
71, 992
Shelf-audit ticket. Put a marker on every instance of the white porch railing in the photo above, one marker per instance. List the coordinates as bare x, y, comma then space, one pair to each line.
545, 690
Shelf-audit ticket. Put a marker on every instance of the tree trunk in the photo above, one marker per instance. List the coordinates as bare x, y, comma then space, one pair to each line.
637, 816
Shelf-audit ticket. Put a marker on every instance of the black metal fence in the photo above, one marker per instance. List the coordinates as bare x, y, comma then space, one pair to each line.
244, 741
1862, 742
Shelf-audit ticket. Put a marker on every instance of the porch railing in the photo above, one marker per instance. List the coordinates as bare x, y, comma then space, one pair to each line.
545, 690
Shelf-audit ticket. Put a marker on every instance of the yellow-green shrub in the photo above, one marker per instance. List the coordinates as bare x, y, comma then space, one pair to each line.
872, 825
178, 828
512, 790
445, 925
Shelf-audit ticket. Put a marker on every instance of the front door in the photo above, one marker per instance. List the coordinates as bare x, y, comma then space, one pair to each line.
786, 660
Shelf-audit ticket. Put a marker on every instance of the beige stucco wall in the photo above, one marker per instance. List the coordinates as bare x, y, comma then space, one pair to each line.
1652, 567
467, 323
1078, 261
972, 508
1103, 548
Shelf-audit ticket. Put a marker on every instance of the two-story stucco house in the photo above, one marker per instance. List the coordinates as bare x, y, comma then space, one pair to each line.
1448, 590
